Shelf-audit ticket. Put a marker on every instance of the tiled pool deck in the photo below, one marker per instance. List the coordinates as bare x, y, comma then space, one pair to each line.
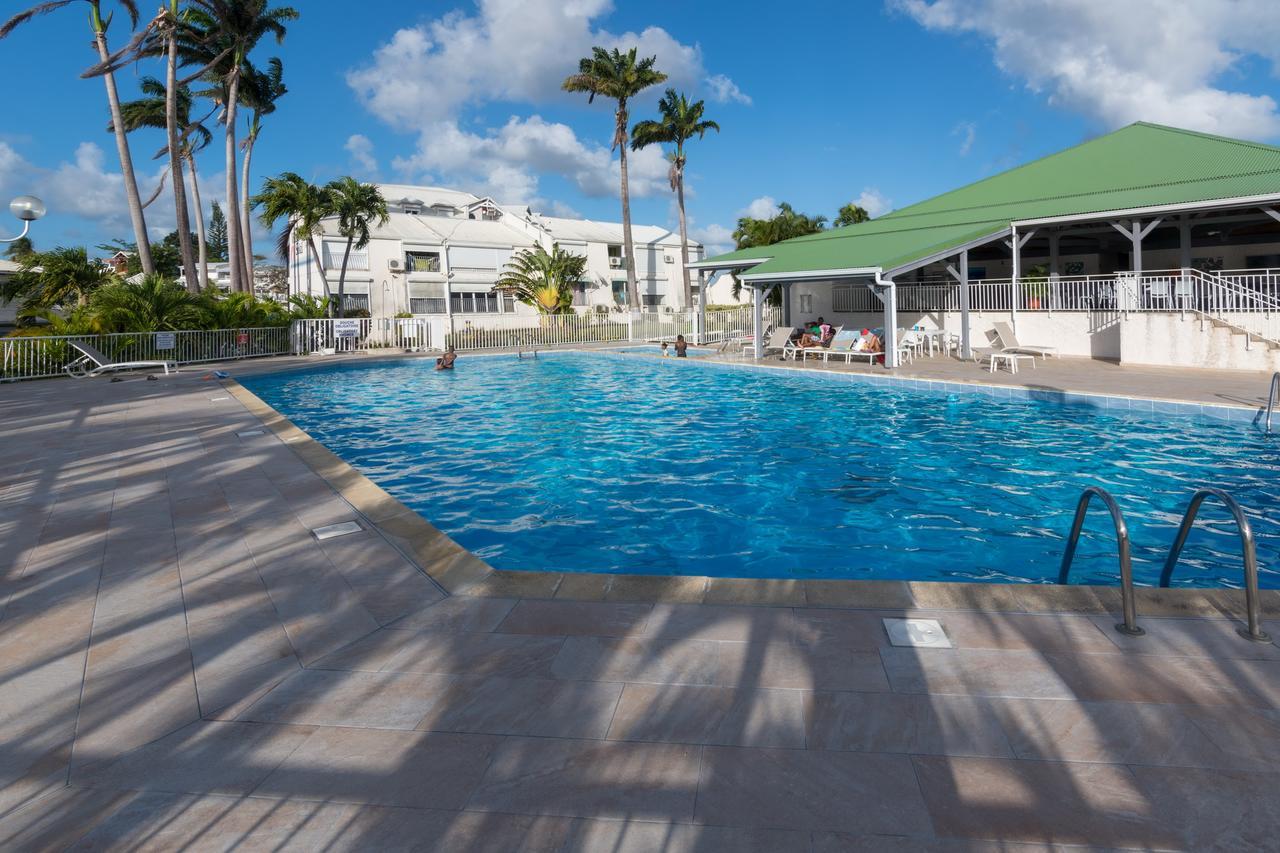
183, 665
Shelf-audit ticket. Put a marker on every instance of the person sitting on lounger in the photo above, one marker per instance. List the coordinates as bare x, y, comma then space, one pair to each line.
445, 362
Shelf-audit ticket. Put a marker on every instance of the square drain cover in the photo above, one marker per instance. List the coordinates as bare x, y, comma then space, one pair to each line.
250, 432
342, 528
920, 633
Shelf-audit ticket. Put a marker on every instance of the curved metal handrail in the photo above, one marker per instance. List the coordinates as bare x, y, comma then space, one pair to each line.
1271, 397
1130, 624
1254, 631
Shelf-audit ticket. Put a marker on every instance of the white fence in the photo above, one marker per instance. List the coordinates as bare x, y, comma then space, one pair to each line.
596, 328
37, 356
359, 335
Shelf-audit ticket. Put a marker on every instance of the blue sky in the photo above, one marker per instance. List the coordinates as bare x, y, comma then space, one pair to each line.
819, 103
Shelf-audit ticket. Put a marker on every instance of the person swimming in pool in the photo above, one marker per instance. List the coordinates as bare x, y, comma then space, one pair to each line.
445, 362
682, 347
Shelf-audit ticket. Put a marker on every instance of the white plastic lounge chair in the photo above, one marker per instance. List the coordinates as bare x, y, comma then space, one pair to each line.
821, 351
779, 341
92, 355
1009, 343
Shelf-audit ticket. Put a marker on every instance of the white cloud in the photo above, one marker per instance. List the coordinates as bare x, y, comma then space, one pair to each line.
429, 78
1116, 63
506, 163
873, 202
360, 147
764, 207
716, 238
968, 133
724, 90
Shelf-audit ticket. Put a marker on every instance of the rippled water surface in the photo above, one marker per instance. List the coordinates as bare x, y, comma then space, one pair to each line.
599, 463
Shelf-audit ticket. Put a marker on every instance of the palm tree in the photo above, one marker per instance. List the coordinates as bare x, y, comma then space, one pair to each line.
154, 304
60, 278
153, 111
680, 121
357, 206
618, 76
543, 279
221, 35
851, 214
99, 26
302, 205
261, 91
783, 225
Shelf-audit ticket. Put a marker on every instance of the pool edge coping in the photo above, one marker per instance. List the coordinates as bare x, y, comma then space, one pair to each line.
460, 572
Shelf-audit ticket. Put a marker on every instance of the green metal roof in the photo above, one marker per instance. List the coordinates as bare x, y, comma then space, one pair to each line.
1139, 166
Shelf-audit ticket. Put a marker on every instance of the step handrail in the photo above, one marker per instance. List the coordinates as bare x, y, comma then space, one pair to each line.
1130, 624
1271, 398
1254, 631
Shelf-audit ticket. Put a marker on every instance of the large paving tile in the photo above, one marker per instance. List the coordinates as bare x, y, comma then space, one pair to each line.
894, 722
459, 613
1179, 680
445, 652
1021, 631
59, 819
713, 622
1215, 809
525, 706
576, 618
714, 715
854, 630
633, 836
646, 781
376, 766
205, 757
381, 828
391, 700
1105, 732
800, 666
1249, 739
843, 842
1039, 801
810, 790
1208, 638
638, 659
976, 672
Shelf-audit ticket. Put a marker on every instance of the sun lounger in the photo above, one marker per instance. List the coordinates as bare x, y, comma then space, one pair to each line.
779, 341
1009, 343
91, 355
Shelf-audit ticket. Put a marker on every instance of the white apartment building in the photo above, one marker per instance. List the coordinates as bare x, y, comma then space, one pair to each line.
443, 250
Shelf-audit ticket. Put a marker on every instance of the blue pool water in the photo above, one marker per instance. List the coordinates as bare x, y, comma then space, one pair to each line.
655, 349
615, 463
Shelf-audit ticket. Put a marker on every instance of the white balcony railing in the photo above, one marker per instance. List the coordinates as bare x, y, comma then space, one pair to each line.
359, 261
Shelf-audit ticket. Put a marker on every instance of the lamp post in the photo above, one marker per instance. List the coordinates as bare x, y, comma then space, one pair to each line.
28, 208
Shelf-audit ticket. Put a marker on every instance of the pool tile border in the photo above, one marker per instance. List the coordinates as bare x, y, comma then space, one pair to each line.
1062, 397
459, 572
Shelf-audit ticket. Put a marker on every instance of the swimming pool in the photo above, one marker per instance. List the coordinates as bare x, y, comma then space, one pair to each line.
656, 349
598, 462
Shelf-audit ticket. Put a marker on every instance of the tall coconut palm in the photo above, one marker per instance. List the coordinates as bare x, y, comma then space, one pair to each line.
543, 279
357, 207
302, 205
152, 111
221, 35
680, 121
261, 91
99, 25
620, 77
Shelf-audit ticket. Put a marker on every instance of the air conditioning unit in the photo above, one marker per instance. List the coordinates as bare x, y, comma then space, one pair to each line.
395, 265
615, 262
668, 259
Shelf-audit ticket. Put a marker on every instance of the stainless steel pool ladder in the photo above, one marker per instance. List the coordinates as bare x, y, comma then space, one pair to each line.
1254, 631
1130, 624
1271, 398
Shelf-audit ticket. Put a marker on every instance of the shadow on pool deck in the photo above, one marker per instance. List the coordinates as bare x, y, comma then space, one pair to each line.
183, 665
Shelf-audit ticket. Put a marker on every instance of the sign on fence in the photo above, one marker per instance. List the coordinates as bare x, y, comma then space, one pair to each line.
166, 340
242, 338
346, 328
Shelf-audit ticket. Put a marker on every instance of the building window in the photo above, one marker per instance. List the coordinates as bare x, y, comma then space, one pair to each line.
422, 261
412, 210
651, 300
355, 302
804, 303
842, 300
620, 293
580, 293
475, 303
426, 305
508, 303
